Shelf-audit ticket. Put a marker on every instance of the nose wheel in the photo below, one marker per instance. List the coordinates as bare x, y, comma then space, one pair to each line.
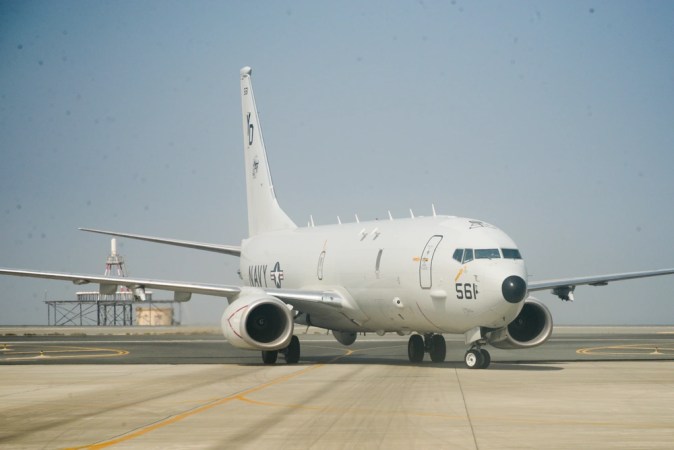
477, 358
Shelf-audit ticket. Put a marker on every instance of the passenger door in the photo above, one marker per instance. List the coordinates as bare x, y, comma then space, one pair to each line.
426, 262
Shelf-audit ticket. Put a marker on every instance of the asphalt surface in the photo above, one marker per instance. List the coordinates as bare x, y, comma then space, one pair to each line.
205, 346
585, 388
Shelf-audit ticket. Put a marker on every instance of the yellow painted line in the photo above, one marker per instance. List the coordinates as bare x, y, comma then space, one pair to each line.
458, 275
336, 409
628, 349
440, 415
43, 354
206, 407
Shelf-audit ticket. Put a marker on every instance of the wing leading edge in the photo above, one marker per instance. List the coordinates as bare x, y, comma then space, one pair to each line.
306, 301
563, 288
108, 285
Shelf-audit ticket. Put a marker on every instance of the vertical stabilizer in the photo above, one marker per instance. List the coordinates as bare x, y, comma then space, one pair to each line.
264, 212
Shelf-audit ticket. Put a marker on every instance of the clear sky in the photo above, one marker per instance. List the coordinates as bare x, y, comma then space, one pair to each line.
552, 120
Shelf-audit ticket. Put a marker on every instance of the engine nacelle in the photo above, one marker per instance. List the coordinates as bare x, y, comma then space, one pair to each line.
531, 327
345, 337
258, 322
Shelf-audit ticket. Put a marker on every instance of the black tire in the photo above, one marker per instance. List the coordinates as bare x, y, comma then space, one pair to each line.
415, 348
474, 359
486, 358
438, 348
292, 353
269, 357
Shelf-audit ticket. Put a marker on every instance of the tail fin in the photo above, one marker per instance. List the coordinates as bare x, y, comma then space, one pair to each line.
264, 212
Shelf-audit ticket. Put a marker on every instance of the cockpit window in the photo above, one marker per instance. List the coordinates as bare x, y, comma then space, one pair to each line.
463, 255
511, 253
487, 253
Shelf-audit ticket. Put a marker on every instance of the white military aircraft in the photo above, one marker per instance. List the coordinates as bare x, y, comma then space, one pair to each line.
423, 277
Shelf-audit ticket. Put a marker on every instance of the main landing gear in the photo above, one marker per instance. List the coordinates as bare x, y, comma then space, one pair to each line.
477, 358
291, 353
433, 344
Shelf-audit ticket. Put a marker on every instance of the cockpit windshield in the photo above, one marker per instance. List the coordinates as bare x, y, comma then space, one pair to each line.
487, 253
511, 253
464, 255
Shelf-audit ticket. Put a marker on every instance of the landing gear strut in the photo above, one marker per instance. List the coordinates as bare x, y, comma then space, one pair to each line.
477, 358
291, 353
433, 344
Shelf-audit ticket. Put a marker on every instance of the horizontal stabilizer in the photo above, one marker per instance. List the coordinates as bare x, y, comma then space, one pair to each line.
233, 250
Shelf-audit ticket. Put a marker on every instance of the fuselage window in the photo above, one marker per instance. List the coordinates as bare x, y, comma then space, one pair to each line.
458, 254
487, 253
511, 253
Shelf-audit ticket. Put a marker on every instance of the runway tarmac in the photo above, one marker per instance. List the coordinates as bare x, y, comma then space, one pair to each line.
586, 388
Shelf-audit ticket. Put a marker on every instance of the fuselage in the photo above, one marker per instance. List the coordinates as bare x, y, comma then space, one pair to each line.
436, 274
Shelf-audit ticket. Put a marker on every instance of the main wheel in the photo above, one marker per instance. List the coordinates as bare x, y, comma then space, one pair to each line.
438, 348
269, 357
486, 358
415, 348
474, 359
292, 353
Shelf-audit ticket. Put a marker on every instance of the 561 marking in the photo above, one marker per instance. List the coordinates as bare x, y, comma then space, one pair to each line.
466, 290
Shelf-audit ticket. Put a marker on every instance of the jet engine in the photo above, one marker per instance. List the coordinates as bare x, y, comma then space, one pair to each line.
257, 321
532, 327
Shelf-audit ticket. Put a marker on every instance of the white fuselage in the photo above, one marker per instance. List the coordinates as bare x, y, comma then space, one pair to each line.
394, 275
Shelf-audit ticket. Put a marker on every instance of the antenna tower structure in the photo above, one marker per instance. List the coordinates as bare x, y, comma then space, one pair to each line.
114, 265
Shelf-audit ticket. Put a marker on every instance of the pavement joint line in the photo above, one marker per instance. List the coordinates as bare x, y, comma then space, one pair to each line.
199, 409
465, 406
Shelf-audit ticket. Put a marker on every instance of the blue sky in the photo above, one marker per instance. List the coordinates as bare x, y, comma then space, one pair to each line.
552, 120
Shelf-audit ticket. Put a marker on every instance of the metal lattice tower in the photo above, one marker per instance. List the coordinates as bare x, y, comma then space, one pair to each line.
97, 309
114, 265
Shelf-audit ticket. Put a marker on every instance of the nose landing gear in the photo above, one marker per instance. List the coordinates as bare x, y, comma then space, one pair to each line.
477, 358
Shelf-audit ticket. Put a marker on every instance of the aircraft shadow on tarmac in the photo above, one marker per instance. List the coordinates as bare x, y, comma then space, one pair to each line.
375, 361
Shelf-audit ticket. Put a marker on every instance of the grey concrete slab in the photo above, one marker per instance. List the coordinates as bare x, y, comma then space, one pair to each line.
367, 396
584, 405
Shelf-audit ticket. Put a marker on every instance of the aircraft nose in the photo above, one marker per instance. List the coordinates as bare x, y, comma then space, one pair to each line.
514, 289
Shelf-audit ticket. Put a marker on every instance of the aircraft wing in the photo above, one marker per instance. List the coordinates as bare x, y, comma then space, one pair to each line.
310, 302
233, 250
563, 288
108, 285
